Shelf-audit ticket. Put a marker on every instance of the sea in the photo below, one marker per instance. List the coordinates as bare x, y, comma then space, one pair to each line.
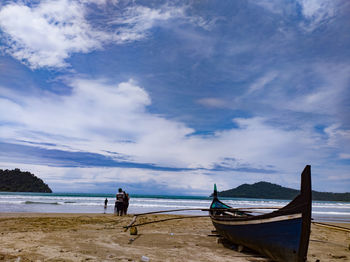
326, 211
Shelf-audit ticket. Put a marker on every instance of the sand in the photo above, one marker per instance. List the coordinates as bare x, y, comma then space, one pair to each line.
101, 237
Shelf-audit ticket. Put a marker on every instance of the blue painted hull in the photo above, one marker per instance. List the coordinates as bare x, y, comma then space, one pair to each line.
278, 240
282, 235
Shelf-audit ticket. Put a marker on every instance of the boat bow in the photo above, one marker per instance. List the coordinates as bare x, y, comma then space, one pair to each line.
282, 235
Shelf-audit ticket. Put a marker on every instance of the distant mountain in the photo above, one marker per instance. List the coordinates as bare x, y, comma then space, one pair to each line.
267, 190
18, 181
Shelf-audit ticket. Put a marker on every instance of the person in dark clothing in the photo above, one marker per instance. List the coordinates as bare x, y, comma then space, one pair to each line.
106, 202
119, 203
126, 203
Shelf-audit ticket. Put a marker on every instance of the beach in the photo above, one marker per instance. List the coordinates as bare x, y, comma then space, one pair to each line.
101, 237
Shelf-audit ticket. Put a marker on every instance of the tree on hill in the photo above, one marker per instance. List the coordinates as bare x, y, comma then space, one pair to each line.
18, 181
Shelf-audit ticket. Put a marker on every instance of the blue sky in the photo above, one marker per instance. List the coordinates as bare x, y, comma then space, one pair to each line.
171, 97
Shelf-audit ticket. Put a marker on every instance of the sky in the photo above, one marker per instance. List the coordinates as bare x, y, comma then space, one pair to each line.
170, 97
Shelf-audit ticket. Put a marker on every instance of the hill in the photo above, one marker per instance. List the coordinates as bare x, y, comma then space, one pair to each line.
267, 190
18, 181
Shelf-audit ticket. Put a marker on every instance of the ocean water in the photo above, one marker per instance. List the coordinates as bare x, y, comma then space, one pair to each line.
94, 203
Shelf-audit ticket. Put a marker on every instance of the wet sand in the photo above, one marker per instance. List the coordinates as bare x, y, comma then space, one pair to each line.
101, 237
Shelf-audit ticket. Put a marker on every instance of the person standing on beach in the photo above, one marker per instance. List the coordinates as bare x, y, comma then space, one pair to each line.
126, 203
106, 202
119, 203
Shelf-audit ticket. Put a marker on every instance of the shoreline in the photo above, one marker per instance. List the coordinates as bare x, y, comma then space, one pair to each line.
83, 203
96, 237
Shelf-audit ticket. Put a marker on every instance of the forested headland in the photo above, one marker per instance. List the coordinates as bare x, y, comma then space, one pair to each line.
18, 181
268, 190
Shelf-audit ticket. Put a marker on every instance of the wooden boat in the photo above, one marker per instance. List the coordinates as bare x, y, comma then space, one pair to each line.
282, 235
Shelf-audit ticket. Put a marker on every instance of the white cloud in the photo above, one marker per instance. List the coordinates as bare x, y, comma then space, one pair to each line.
213, 102
344, 156
48, 33
101, 3
317, 9
314, 12
327, 96
273, 6
66, 179
317, 12
98, 116
339, 138
95, 117
133, 24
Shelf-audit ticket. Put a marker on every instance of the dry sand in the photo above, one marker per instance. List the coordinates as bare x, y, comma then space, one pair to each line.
101, 237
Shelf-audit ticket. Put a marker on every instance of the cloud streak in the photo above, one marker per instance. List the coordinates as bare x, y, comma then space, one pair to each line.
135, 22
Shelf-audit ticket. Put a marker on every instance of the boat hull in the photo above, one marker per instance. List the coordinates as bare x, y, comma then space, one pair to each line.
282, 235
278, 239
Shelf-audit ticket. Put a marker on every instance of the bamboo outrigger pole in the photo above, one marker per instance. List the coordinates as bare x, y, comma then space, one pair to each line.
157, 212
205, 209
189, 209
331, 226
171, 210
161, 220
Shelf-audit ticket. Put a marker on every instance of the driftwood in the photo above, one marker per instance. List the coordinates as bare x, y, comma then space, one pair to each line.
131, 223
